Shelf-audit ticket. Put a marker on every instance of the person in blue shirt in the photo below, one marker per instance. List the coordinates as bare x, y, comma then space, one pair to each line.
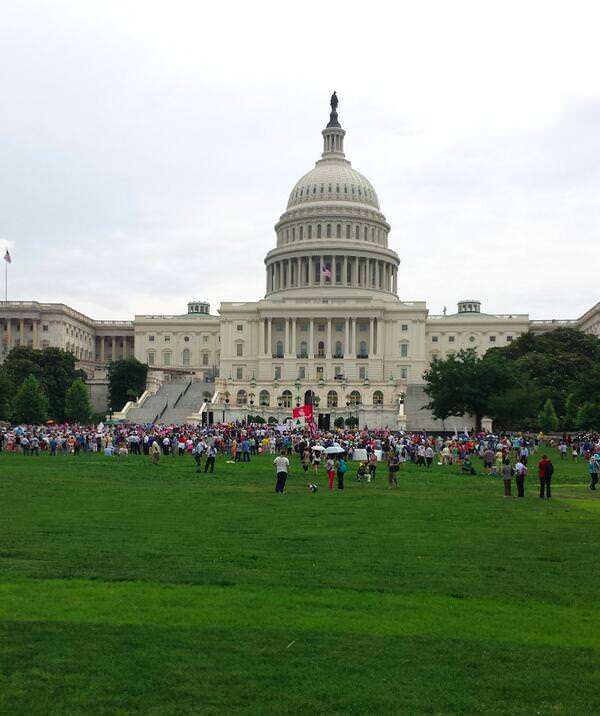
342, 467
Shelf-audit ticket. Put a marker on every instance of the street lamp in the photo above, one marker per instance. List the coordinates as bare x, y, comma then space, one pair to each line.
279, 404
298, 385
251, 401
225, 404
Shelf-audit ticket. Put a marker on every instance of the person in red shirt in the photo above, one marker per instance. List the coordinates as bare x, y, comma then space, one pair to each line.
545, 471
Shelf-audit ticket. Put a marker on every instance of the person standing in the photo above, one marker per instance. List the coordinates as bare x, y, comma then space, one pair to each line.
393, 467
594, 469
545, 472
506, 476
341, 471
209, 463
520, 472
330, 467
372, 466
282, 466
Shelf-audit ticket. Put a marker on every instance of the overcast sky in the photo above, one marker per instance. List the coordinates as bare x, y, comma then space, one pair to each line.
147, 149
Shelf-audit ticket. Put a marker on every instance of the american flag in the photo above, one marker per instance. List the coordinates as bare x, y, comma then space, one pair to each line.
7, 257
326, 272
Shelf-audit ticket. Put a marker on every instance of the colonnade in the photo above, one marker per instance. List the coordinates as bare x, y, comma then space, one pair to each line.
332, 270
318, 338
107, 348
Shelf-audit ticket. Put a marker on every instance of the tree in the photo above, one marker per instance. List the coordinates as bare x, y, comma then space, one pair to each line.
77, 403
351, 422
126, 381
6, 395
547, 418
588, 416
463, 383
54, 369
571, 412
338, 422
30, 404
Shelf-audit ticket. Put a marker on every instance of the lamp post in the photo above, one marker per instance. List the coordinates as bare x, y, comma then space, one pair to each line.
297, 385
225, 404
251, 396
279, 404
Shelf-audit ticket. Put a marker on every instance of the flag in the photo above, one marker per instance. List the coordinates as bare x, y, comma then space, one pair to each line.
326, 272
7, 257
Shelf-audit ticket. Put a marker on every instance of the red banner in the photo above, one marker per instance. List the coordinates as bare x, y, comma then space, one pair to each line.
304, 411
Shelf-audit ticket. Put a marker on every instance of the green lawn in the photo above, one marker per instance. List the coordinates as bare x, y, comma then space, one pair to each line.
131, 588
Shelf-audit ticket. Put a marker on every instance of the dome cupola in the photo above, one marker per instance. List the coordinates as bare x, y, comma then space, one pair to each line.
332, 232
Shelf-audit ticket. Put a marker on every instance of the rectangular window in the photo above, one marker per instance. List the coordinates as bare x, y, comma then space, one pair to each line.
45, 328
319, 372
239, 373
240, 327
337, 371
150, 358
405, 326
166, 359
339, 327
320, 327
204, 339
167, 339
403, 373
277, 373
239, 349
450, 339
205, 359
434, 339
508, 339
151, 339
404, 350
302, 372
492, 339
362, 373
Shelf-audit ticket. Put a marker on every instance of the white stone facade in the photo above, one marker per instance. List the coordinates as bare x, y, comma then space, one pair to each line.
330, 330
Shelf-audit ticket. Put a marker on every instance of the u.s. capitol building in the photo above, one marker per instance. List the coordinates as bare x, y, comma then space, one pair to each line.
330, 330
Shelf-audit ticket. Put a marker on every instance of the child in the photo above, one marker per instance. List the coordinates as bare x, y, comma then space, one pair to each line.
330, 467
362, 472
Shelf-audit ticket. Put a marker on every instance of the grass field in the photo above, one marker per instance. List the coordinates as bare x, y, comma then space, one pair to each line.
131, 588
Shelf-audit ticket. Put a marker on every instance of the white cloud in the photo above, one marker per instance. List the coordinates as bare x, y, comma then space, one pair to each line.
149, 148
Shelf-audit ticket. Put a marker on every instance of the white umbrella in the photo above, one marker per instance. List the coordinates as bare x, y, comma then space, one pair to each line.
317, 447
334, 450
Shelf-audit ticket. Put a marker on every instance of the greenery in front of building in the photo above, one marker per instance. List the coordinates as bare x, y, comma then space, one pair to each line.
549, 381
126, 381
53, 371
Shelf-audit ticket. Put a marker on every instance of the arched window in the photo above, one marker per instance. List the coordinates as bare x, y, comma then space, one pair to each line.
167, 358
264, 398
377, 398
310, 231
362, 349
303, 349
150, 357
309, 398
318, 231
338, 231
328, 231
279, 349
332, 399
339, 353
286, 399
321, 349
185, 356
354, 398
241, 398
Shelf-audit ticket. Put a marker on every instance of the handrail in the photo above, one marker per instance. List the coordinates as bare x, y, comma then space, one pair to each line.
183, 392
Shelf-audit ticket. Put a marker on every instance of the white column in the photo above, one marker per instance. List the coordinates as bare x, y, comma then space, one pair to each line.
347, 335
345, 270
377, 275
311, 339
352, 337
9, 333
328, 352
269, 337
294, 346
395, 274
321, 271
286, 345
371, 336
102, 349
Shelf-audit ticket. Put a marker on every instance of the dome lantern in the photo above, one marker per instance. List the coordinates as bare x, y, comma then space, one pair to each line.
333, 134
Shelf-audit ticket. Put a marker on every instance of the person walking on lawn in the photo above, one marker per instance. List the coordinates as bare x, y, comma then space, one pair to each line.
282, 467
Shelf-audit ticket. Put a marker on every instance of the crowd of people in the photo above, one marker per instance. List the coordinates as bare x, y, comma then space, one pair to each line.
506, 456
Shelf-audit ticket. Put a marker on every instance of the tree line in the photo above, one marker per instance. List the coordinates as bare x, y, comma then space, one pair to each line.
40, 385
549, 381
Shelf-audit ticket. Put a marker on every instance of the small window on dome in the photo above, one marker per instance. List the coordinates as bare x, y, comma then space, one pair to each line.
321, 188
359, 193
353, 190
337, 188
329, 189
314, 189
345, 189
310, 231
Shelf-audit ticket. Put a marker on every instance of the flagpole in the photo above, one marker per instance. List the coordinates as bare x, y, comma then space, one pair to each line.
6, 282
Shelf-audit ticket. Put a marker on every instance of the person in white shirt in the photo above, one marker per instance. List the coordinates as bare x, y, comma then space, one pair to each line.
282, 466
520, 472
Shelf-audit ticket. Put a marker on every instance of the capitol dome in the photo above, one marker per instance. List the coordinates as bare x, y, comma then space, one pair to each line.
333, 179
332, 236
